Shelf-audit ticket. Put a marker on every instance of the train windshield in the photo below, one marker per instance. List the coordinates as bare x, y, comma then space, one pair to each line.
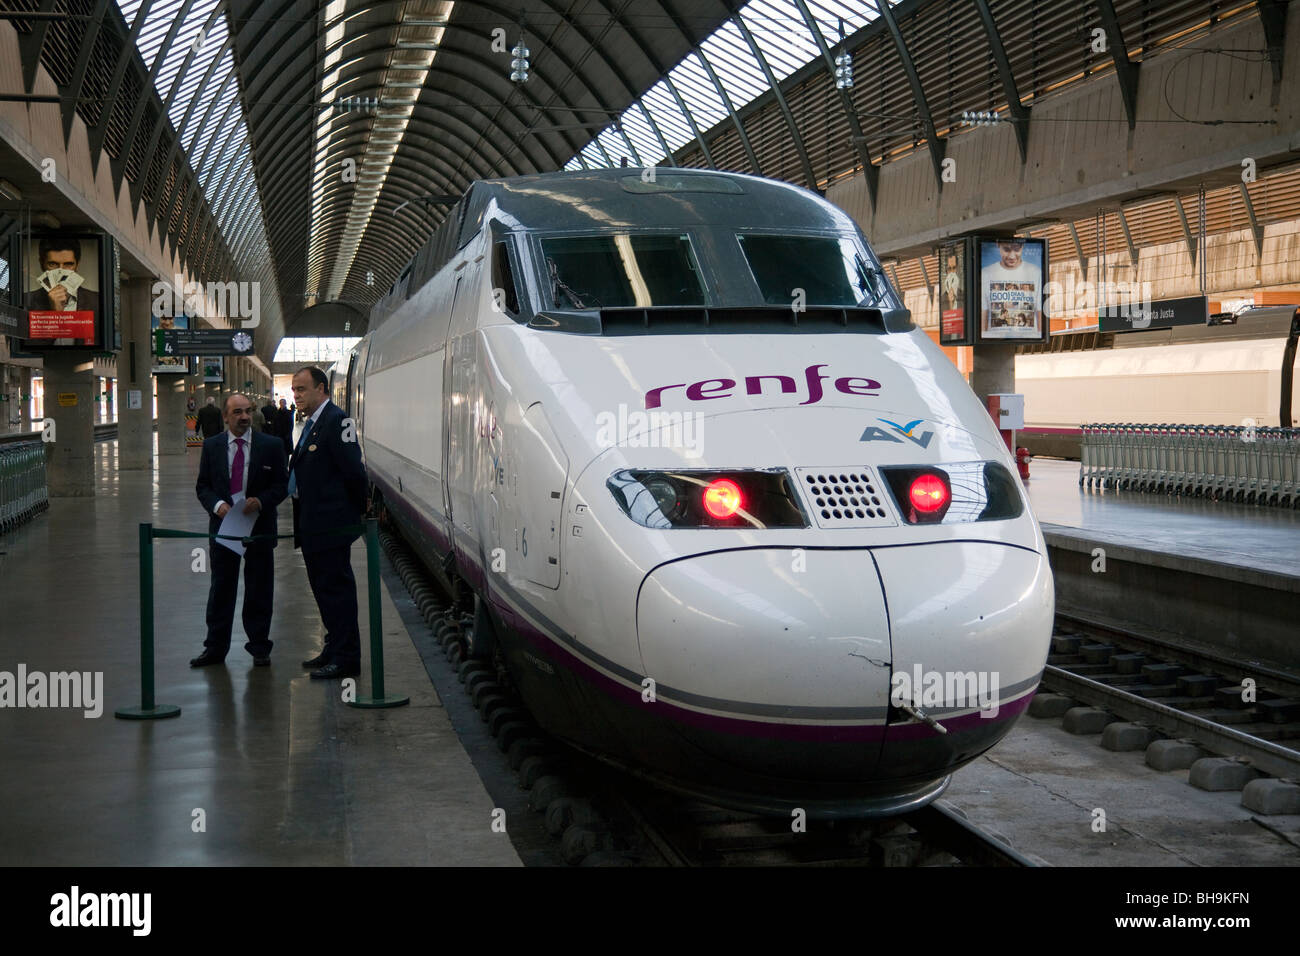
601, 272
829, 269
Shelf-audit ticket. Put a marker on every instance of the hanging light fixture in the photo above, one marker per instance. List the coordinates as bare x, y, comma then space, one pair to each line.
844, 71
519, 65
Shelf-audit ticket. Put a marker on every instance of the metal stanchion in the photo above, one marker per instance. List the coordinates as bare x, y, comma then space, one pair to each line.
147, 710
377, 698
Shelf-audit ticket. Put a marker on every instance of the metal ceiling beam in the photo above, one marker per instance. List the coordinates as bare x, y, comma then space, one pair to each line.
690, 119
120, 163
870, 171
1272, 18
1256, 231
696, 45
157, 203
1019, 112
88, 36
195, 187
796, 135
1126, 71
164, 118
31, 44
1128, 240
125, 57
937, 145
1187, 230
1078, 248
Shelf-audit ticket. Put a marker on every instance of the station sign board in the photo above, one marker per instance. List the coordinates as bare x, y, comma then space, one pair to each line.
1158, 314
180, 341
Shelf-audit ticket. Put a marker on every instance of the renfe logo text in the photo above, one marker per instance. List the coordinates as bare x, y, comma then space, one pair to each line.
711, 388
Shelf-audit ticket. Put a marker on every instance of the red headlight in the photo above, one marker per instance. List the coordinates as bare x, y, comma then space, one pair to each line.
928, 493
722, 498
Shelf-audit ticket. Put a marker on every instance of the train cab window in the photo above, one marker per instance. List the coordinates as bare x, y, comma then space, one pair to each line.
829, 269
503, 277
601, 272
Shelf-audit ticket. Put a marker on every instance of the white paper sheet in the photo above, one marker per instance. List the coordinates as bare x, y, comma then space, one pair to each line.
237, 523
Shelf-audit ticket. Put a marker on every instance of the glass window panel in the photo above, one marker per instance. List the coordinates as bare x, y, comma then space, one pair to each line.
596, 272
831, 270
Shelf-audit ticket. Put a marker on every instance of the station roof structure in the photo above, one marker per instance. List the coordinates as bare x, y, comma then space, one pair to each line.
312, 146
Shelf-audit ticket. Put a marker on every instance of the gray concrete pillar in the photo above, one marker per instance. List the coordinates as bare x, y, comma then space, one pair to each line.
993, 370
171, 414
135, 425
70, 404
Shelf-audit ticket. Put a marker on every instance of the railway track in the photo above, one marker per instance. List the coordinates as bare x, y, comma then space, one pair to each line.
1230, 707
606, 817
688, 833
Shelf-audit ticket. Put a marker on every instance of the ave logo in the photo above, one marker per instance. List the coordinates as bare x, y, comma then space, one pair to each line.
907, 431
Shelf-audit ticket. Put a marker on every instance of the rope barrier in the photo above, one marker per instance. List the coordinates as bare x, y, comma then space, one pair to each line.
149, 709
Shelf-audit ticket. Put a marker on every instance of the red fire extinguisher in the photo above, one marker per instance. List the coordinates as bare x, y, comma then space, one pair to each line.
1022, 461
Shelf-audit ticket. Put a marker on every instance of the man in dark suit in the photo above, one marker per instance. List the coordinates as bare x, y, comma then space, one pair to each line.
284, 426
209, 419
268, 417
328, 483
241, 459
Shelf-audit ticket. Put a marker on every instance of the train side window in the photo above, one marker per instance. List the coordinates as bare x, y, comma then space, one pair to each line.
503, 278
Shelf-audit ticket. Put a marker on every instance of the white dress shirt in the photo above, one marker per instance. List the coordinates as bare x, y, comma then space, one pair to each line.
231, 448
307, 425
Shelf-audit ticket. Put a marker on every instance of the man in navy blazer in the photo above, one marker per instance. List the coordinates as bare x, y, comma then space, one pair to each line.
241, 459
327, 481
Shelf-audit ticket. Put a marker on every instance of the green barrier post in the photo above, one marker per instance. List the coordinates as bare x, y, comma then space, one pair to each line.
147, 709
377, 698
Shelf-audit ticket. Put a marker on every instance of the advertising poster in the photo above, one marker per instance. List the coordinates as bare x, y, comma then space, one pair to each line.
952, 293
214, 367
1011, 277
62, 290
170, 364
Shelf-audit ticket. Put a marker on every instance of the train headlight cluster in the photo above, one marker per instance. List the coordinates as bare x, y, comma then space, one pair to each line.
708, 499
954, 493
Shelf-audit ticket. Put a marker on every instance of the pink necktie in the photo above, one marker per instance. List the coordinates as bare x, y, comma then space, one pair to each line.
237, 468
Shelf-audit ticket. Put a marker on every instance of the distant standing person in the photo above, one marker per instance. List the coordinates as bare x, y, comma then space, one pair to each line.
268, 417
284, 426
209, 418
328, 482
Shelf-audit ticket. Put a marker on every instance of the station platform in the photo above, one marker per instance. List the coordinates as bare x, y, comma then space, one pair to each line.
263, 766
1225, 575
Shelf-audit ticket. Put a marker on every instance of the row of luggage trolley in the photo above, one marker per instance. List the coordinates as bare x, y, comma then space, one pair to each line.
1244, 463
23, 493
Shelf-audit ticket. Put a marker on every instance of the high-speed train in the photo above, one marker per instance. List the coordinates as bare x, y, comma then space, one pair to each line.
1238, 371
726, 517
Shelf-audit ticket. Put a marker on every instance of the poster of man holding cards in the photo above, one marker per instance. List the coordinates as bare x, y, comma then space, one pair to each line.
63, 303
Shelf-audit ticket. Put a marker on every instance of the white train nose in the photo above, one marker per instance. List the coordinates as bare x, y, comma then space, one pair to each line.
787, 659
776, 645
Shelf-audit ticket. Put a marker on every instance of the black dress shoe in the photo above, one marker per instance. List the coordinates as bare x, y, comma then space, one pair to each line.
320, 660
207, 658
335, 671
263, 661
